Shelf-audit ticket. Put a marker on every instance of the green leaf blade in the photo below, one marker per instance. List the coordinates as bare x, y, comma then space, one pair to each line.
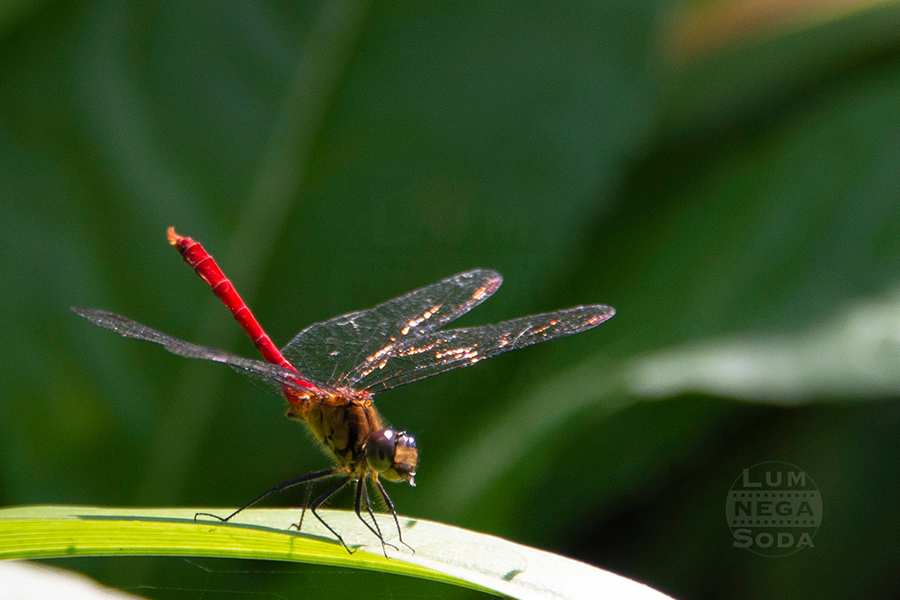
443, 553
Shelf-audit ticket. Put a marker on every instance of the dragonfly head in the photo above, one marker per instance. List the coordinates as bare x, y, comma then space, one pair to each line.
393, 454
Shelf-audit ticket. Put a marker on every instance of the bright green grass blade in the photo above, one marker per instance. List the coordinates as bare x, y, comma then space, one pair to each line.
442, 553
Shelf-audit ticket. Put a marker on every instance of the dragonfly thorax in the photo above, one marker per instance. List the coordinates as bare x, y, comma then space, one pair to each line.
393, 454
348, 424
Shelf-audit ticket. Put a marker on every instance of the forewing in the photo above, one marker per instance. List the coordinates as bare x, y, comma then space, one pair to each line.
272, 378
344, 349
455, 348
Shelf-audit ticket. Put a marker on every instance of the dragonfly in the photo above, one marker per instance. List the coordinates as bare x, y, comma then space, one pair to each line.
330, 371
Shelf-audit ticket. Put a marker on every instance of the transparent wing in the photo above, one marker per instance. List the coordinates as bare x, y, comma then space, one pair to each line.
455, 348
342, 350
272, 378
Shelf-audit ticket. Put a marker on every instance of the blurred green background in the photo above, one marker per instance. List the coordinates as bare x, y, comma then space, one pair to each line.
727, 176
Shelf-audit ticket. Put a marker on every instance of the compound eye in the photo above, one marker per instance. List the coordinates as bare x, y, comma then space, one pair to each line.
393, 454
380, 449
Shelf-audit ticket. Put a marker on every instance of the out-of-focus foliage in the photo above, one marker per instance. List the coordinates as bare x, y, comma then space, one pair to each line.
728, 178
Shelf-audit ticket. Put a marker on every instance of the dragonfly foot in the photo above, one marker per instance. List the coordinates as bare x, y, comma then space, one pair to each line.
217, 517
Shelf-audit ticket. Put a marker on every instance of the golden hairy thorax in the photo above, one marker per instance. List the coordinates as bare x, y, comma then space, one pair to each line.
343, 426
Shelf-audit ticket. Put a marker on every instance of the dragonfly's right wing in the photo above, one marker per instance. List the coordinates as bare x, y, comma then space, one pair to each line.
342, 350
273, 378
443, 351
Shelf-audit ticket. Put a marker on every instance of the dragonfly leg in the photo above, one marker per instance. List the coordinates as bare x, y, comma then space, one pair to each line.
321, 499
306, 502
286, 484
362, 496
390, 505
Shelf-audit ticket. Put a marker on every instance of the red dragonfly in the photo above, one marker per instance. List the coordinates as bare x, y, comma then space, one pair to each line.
329, 372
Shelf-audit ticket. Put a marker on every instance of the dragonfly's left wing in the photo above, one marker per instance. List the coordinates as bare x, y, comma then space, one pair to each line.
340, 350
455, 348
273, 378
